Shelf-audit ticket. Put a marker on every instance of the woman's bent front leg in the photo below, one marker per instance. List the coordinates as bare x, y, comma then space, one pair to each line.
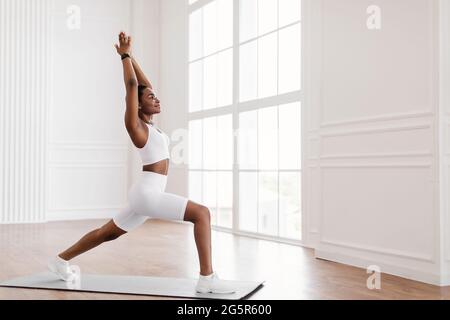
209, 281
200, 216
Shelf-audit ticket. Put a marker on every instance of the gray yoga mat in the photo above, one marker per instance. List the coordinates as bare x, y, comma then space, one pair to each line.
152, 286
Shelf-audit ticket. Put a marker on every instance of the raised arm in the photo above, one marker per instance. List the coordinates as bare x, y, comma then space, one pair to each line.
131, 84
142, 79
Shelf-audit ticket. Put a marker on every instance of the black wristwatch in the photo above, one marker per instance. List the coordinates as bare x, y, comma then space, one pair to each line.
125, 55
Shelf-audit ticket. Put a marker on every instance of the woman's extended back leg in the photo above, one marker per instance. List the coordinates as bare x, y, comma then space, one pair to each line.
106, 233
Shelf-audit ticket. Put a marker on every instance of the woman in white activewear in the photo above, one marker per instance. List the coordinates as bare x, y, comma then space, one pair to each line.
147, 197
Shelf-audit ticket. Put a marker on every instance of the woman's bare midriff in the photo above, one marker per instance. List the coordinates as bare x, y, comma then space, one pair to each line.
161, 167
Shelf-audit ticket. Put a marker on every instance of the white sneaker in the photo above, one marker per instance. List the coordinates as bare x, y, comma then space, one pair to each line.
212, 284
61, 268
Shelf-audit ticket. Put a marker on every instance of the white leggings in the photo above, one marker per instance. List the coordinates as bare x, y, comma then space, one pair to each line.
147, 199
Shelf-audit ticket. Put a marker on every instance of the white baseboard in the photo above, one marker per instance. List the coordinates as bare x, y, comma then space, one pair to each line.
81, 215
445, 280
22, 222
386, 268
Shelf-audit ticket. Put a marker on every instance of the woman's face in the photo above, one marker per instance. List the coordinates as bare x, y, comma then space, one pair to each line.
150, 104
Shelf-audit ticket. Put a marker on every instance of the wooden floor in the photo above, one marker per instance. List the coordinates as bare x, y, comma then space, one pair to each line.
168, 250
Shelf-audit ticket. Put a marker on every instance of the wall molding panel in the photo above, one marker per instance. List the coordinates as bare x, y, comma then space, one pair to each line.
379, 250
381, 118
375, 130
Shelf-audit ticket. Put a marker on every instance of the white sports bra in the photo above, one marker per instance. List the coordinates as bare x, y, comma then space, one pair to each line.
157, 146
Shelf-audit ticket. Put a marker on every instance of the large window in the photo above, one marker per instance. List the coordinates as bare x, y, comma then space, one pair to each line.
245, 114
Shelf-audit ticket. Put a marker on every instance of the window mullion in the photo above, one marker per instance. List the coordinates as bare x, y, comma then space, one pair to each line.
257, 116
203, 108
236, 63
278, 120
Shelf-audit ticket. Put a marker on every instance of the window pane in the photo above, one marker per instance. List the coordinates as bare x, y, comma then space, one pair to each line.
195, 35
210, 143
195, 86
268, 139
195, 186
210, 194
248, 71
290, 205
248, 140
195, 144
210, 83
248, 19
225, 199
290, 136
290, 59
225, 142
267, 66
268, 203
210, 28
225, 23
248, 203
225, 78
289, 11
267, 16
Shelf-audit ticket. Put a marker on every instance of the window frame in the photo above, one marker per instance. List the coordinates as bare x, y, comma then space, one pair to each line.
238, 107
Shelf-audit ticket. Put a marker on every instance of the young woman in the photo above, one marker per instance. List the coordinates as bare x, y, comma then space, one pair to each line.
147, 198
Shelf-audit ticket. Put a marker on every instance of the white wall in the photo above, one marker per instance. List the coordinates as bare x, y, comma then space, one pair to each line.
88, 143
145, 28
174, 85
445, 141
24, 83
372, 137
65, 152
93, 162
